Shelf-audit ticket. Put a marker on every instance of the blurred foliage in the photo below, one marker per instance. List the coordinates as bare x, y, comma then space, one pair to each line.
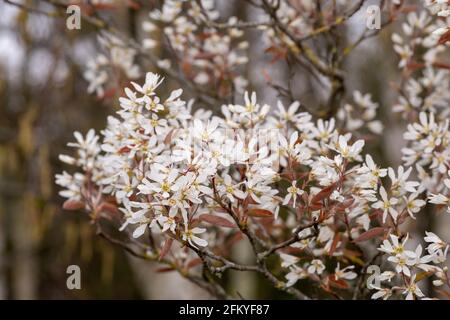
38, 114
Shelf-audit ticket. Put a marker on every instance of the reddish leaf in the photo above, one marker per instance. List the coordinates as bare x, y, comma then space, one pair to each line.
216, 220
340, 207
445, 37
441, 65
341, 284
110, 93
323, 194
376, 214
186, 67
259, 213
73, 205
249, 200
124, 150
109, 207
372, 233
165, 269
165, 248
315, 206
334, 243
220, 209
300, 212
133, 4
168, 138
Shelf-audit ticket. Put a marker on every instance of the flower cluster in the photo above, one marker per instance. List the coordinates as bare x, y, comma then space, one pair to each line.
201, 180
298, 17
116, 66
186, 184
360, 114
422, 51
442, 9
411, 267
207, 55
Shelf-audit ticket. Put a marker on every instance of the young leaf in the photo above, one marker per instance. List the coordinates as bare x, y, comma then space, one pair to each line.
445, 37
165, 269
259, 213
370, 234
323, 194
165, 248
337, 283
216, 220
73, 205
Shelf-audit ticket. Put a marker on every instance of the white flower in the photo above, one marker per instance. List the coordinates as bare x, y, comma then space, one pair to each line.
344, 273
316, 266
387, 205
89, 143
413, 205
395, 247
399, 183
139, 231
152, 81
383, 293
420, 261
349, 151
205, 133
189, 235
436, 246
402, 262
168, 222
413, 290
295, 274
288, 260
405, 54
387, 276
290, 114
165, 183
293, 192
231, 190
440, 199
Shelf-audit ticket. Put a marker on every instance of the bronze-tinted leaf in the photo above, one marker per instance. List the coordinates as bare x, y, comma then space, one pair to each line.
216, 220
109, 207
370, 234
338, 283
340, 207
315, 206
323, 194
73, 205
165, 269
168, 138
445, 37
259, 213
334, 243
165, 248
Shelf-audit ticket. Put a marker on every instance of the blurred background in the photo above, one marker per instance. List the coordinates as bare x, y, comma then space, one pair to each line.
43, 99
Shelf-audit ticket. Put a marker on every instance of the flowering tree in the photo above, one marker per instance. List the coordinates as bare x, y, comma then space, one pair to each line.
322, 218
